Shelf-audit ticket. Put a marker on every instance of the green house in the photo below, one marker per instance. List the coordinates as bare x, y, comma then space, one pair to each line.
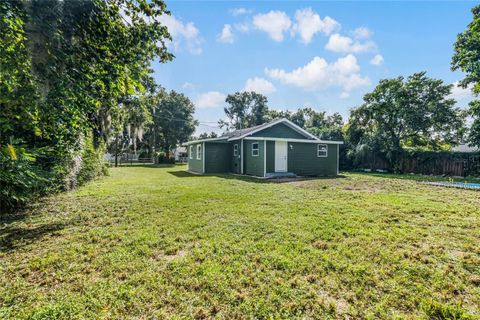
277, 148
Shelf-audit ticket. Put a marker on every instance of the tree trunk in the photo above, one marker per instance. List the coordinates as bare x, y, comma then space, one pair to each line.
116, 151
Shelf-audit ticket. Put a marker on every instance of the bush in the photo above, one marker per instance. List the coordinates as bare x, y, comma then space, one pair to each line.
144, 154
161, 157
92, 164
22, 179
27, 176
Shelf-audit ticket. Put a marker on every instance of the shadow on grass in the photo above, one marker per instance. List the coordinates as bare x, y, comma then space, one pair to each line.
147, 165
186, 174
11, 238
417, 177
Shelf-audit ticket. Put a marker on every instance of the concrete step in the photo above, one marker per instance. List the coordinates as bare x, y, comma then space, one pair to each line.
273, 175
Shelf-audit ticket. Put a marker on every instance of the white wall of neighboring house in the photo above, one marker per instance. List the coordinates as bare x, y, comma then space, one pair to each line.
180, 152
464, 148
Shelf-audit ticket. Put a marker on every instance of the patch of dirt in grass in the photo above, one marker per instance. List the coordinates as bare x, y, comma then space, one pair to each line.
355, 184
457, 254
362, 187
340, 305
475, 279
179, 254
320, 244
172, 255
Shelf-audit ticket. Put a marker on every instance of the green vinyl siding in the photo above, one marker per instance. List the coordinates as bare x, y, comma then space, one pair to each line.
253, 165
303, 160
236, 161
279, 131
270, 156
194, 164
217, 157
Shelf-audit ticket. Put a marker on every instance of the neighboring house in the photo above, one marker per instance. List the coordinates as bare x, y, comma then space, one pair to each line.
277, 148
463, 147
180, 154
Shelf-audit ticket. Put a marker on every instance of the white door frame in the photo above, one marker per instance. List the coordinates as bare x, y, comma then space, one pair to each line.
282, 143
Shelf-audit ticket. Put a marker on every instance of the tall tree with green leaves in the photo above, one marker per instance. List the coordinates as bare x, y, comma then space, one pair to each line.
64, 65
467, 59
206, 135
245, 109
317, 123
173, 122
406, 113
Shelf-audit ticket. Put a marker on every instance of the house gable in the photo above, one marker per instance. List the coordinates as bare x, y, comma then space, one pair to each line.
280, 130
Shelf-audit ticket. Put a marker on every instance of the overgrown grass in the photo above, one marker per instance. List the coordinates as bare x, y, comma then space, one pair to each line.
155, 242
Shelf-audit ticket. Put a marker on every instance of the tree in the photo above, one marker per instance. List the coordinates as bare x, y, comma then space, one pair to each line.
467, 59
246, 109
207, 135
474, 136
466, 55
317, 123
173, 121
411, 113
135, 116
64, 66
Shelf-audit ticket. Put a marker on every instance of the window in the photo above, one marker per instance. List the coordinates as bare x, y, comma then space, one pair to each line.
322, 150
255, 149
190, 153
199, 152
235, 150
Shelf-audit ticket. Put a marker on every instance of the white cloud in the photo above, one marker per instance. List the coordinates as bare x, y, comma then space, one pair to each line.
461, 94
275, 23
319, 75
309, 23
377, 60
242, 27
338, 43
211, 99
188, 85
362, 33
226, 36
259, 85
183, 33
240, 11
344, 95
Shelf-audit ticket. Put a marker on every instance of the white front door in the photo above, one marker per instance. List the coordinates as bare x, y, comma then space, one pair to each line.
280, 156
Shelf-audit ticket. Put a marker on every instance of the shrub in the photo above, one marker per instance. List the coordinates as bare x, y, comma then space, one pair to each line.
162, 157
21, 178
26, 176
92, 164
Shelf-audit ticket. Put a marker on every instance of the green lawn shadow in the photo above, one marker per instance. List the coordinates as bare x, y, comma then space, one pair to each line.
186, 174
417, 177
147, 165
11, 238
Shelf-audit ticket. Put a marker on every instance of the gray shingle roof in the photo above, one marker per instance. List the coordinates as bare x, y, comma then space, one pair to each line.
241, 132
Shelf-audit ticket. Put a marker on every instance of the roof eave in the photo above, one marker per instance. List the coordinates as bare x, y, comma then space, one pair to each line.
204, 140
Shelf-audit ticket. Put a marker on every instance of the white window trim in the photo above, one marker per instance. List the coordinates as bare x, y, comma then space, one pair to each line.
257, 149
203, 157
235, 150
241, 156
191, 152
338, 160
199, 149
318, 150
264, 158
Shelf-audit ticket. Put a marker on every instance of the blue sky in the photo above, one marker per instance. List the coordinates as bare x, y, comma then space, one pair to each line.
324, 55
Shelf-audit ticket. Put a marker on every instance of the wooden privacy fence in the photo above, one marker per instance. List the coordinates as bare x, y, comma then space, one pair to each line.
431, 163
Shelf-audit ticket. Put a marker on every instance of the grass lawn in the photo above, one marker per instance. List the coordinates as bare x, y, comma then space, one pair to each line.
149, 242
